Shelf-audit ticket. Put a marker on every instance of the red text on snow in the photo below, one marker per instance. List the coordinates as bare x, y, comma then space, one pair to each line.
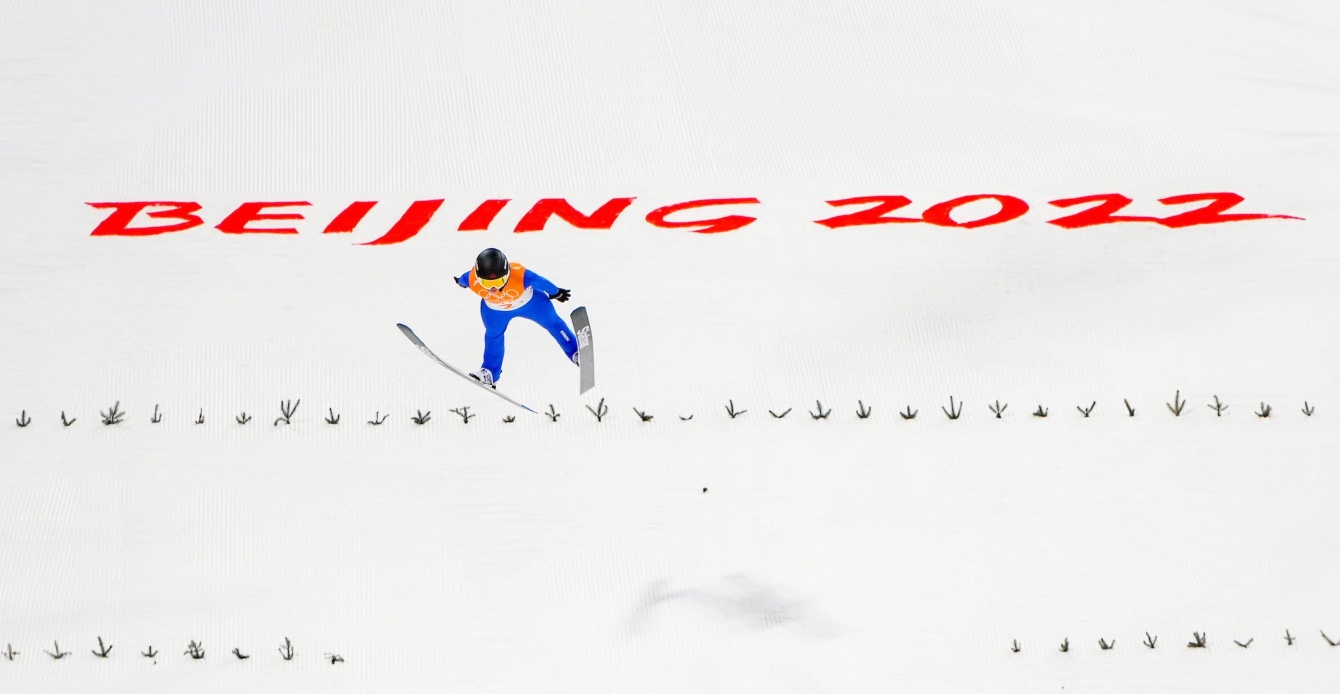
704, 216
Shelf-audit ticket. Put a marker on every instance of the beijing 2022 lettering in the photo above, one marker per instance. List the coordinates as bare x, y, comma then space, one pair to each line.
153, 218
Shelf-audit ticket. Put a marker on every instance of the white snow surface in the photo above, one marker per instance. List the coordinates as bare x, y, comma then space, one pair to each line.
752, 554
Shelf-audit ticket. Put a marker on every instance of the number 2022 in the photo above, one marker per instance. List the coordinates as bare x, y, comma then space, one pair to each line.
1101, 209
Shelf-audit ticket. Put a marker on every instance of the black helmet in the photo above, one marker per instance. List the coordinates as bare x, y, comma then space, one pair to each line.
491, 264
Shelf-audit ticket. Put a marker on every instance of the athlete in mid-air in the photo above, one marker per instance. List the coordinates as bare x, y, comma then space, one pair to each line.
507, 291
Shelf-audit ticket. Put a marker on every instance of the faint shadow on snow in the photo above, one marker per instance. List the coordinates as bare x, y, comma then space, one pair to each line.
738, 598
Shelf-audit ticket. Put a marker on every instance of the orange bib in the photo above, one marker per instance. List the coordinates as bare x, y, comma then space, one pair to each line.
511, 292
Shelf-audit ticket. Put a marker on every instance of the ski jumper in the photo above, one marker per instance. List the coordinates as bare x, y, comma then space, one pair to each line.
525, 295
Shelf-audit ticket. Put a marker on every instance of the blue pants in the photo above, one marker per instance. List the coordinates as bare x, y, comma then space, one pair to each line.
539, 309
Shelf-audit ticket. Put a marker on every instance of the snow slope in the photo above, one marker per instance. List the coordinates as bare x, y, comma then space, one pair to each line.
709, 554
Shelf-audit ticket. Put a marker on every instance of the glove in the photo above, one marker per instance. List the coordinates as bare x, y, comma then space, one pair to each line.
561, 296
457, 280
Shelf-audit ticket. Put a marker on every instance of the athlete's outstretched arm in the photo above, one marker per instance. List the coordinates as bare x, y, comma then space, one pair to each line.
541, 284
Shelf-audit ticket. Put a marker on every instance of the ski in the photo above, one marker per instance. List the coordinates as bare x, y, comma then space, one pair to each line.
586, 356
424, 348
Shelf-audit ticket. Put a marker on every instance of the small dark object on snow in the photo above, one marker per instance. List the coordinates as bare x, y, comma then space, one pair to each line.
103, 651
951, 412
600, 410
1199, 642
730, 410
1177, 404
113, 415
286, 409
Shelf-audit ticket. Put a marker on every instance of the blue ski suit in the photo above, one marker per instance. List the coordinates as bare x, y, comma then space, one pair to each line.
526, 295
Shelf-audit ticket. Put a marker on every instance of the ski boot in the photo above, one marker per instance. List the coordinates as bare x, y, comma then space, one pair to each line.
484, 376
